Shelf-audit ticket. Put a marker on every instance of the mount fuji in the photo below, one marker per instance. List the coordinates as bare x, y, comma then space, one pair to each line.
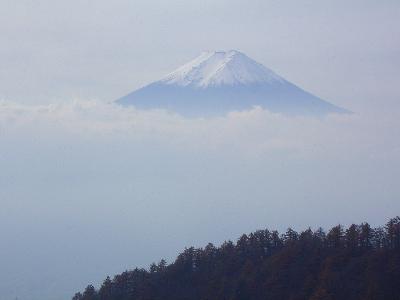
218, 82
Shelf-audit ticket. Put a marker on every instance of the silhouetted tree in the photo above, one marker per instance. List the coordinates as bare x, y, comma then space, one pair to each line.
335, 237
105, 291
352, 237
77, 296
366, 235
89, 293
393, 232
290, 236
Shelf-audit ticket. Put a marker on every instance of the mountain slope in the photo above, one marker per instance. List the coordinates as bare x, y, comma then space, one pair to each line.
354, 264
218, 82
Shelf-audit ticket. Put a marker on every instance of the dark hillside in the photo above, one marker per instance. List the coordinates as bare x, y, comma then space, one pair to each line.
357, 263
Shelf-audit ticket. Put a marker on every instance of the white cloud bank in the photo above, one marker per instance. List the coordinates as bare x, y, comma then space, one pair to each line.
256, 131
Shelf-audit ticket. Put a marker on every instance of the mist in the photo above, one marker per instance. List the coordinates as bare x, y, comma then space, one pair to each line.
90, 189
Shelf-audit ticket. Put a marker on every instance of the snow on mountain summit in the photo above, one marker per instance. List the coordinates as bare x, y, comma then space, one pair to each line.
216, 68
218, 82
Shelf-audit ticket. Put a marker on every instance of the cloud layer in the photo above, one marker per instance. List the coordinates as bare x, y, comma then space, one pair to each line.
255, 131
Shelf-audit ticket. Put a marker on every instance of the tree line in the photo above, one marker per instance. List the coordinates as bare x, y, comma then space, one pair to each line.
358, 262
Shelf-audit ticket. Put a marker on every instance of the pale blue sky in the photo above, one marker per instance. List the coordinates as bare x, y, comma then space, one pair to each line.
88, 189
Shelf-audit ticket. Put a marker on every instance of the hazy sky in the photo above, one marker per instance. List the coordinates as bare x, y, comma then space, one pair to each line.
88, 189
340, 50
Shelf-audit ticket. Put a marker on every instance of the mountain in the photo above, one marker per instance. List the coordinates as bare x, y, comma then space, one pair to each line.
217, 82
357, 263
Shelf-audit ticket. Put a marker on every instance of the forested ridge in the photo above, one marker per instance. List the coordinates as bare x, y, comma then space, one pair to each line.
358, 262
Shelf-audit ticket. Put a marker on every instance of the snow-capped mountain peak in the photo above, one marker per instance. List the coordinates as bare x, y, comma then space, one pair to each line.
217, 68
217, 82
